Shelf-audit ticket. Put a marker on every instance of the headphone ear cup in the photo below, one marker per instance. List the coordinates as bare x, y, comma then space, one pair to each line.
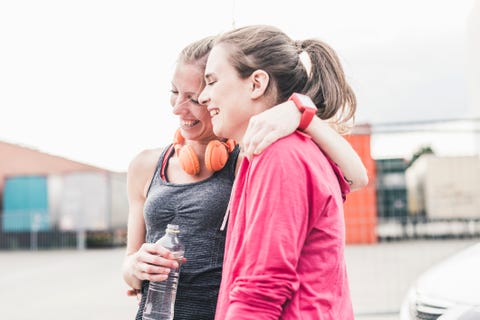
189, 160
216, 155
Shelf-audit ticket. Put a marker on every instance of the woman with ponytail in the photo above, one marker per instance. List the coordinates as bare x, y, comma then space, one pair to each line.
284, 252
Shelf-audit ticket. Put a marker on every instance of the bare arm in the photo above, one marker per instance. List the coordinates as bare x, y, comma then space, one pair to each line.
340, 151
143, 261
283, 119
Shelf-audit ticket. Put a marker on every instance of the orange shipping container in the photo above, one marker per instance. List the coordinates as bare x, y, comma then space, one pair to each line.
361, 206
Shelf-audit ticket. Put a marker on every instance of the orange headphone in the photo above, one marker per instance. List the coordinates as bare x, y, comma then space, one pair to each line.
216, 154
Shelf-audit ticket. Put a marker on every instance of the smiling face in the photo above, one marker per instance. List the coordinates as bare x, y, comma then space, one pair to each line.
227, 96
195, 122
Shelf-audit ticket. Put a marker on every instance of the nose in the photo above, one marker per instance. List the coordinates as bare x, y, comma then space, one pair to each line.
203, 98
178, 105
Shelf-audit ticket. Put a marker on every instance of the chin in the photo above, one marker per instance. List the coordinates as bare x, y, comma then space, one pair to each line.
218, 133
217, 128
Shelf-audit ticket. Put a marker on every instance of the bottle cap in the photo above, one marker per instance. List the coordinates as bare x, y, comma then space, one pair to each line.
173, 228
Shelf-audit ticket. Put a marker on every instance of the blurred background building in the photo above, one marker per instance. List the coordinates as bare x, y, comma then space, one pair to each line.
48, 202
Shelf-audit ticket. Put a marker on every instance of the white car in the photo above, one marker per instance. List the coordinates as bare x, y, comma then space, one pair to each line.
448, 291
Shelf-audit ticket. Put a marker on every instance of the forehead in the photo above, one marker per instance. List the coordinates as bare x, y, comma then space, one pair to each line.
217, 59
188, 76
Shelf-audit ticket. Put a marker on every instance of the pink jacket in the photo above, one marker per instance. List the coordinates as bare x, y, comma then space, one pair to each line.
284, 255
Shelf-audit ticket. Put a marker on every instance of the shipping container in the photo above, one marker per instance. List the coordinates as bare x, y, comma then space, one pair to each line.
25, 204
444, 188
84, 202
360, 206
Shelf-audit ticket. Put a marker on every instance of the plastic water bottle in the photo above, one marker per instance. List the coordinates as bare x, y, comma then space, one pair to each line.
160, 301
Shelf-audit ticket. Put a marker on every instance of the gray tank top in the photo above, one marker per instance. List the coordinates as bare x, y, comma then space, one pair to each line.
198, 208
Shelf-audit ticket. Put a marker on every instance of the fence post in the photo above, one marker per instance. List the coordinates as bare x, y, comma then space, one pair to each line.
35, 223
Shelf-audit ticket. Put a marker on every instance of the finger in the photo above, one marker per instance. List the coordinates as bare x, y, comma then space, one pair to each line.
155, 269
152, 276
144, 270
165, 257
265, 142
132, 292
254, 139
262, 139
163, 252
256, 124
149, 252
146, 258
148, 248
156, 277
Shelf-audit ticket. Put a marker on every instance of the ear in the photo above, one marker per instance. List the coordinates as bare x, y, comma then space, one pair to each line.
259, 81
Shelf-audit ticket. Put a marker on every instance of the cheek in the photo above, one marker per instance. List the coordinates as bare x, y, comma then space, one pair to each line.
205, 115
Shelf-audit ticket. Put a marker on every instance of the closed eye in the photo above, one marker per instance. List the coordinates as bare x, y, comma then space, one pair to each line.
209, 79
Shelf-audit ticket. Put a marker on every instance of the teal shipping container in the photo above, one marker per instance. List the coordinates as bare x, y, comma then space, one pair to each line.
25, 204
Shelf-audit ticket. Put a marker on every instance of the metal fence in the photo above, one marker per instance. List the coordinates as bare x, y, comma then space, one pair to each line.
34, 231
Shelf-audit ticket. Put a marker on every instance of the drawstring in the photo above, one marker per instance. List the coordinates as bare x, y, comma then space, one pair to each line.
225, 218
227, 213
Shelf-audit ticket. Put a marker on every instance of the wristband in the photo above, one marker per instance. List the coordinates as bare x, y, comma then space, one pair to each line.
306, 106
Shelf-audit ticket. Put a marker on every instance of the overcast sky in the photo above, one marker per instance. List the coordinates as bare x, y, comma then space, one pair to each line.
89, 80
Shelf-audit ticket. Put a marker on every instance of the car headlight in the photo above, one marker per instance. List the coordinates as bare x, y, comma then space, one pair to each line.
421, 307
427, 308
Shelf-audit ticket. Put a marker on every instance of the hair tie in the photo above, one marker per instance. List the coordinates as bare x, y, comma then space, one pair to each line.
306, 62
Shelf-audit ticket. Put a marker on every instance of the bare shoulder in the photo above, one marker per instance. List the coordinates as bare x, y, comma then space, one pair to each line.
145, 161
141, 169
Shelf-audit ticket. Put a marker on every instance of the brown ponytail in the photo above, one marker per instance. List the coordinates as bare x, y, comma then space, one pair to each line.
327, 84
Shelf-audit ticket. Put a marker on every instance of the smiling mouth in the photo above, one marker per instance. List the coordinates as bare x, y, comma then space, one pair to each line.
190, 123
214, 112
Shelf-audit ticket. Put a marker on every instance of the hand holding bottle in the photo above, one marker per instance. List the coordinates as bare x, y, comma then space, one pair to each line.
154, 262
161, 296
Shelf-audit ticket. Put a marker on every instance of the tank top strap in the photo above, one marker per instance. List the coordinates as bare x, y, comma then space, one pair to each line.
163, 167
162, 164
